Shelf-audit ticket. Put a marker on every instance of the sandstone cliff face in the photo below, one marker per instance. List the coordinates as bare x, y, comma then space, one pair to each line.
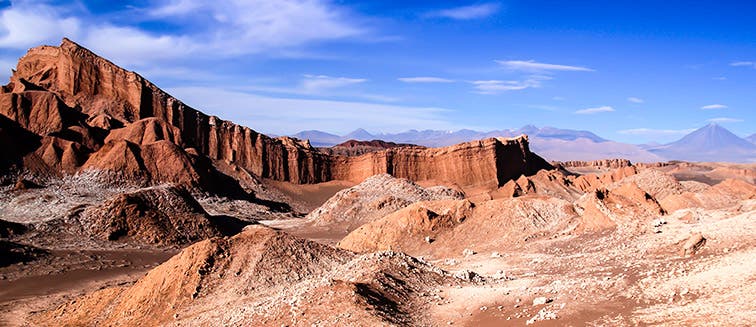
87, 107
485, 163
78, 78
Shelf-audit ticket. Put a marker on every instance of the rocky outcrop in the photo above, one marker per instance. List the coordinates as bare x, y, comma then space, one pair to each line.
447, 227
372, 199
488, 163
590, 182
409, 228
163, 215
353, 148
725, 194
84, 103
113, 96
605, 163
158, 161
626, 207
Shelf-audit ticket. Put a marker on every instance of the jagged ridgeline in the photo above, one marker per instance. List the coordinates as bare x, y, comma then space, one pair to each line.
78, 111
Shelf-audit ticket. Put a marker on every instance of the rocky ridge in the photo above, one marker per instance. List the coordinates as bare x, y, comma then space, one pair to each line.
89, 113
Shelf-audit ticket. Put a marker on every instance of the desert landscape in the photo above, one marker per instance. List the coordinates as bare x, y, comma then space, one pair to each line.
123, 205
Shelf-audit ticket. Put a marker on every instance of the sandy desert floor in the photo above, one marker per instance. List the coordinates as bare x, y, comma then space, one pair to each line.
621, 276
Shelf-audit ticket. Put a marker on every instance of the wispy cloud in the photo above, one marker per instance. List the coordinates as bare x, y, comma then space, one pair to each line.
319, 83
714, 106
635, 100
259, 27
498, 86
25, 24
288, 115
724, 120
743, 64
589, 111
656, 132
720, 78
534, 66
322, 86
467, 12
425, 79
543, 107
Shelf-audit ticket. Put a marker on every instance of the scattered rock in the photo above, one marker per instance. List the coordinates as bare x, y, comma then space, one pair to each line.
468, 275
499, 275
25, 184
542, 300
693, 244
468, 252
542, 314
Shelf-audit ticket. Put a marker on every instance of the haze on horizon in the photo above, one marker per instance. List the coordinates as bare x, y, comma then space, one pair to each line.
631, 71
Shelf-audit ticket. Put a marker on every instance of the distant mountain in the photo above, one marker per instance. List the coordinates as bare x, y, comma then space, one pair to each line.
550, 142
709, 143
318, 138
359, 135
751, 138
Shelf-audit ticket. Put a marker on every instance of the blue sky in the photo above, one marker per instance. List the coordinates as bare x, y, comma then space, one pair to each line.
631, 71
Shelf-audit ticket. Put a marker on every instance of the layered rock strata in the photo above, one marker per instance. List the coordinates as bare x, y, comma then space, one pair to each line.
91, 114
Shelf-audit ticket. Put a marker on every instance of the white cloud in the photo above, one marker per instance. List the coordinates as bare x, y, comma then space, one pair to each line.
724, 120
322, 86
319, 83
714, 106
425, 79
23, 25
635, 100
533, 66
467, 12
743, 64
219, 28
287, 115
720, 78
243, 27
656, 132
135, 47
497, 86
596, 110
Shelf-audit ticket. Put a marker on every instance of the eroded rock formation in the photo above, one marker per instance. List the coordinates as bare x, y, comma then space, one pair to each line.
91, 114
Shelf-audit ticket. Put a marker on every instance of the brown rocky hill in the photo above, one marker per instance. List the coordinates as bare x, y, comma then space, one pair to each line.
89, 113
266, 278
353, 148
446, 228
164, 215
546, 205
372, 199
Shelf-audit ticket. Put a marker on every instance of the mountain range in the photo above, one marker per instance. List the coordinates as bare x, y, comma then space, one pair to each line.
718, 143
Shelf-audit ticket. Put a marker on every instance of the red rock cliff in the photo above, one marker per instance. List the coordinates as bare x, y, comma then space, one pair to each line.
98, 104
